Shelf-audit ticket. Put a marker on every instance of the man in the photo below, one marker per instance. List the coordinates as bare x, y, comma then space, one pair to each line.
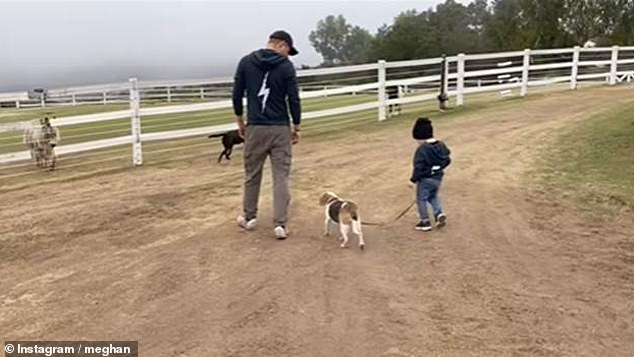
270, 82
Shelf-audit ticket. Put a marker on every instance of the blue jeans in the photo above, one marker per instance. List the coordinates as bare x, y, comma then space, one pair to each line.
427, 192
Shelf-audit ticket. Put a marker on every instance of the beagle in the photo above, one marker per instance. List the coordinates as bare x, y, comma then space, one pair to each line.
345, 214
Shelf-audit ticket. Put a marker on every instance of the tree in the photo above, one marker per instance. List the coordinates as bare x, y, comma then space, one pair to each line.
451, 28
479, 15
357, 46
506, 28
402, 40
604, 21
455, 27
624, 29
480, 26
339, 42
583, 20
543, 23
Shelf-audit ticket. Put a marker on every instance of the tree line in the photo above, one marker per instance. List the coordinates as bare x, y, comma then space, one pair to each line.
480, 26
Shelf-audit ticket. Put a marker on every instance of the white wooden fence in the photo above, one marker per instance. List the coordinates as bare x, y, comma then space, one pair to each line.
466, 74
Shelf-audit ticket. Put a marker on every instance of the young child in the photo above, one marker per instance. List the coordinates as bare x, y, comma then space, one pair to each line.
430, 161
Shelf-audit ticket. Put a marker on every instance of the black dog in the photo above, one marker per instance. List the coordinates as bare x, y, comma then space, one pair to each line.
229, 139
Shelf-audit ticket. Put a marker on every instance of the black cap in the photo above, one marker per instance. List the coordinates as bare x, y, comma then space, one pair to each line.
286, 37
423, 129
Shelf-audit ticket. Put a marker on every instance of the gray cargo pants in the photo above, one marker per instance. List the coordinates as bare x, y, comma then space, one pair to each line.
262, 141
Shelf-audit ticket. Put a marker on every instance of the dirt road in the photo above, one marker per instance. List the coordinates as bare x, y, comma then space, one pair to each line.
154, 255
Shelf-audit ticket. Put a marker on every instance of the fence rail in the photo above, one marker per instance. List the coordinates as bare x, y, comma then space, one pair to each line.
420, 80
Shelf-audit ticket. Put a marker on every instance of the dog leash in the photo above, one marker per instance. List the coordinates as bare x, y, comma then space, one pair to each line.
395, 219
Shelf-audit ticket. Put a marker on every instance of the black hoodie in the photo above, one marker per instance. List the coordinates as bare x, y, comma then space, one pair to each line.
430, 160
270, 83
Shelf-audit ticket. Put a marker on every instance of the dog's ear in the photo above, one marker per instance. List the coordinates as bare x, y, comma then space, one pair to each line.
323, 199
326, 197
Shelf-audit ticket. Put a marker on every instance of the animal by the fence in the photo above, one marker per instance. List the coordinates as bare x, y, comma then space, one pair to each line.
393, 92
229, 139
45, 140
345, 213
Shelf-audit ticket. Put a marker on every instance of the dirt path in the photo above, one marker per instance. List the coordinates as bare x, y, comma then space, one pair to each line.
155, 256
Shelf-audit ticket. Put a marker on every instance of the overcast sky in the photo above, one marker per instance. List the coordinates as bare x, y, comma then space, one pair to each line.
61, 43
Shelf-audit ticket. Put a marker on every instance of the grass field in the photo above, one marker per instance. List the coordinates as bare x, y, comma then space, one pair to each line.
72, 134
163, 152
594, 161
116, 158
12, 141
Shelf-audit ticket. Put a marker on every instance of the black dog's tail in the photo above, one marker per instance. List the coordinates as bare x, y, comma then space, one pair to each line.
216, 135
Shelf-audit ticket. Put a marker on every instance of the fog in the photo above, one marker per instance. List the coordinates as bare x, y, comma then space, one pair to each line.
57, 44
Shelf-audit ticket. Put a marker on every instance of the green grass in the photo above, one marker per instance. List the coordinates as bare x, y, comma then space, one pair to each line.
175, 152
72, 134
594, 161
15, 115
25, 114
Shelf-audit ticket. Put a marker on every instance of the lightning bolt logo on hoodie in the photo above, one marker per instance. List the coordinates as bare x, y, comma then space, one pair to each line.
264, 91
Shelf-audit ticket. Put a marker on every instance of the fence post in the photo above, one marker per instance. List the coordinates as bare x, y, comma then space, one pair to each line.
525, 71
105, 97
445, 86
169, 95
460, 81
137, 152
74, 99
43, 100
202, 93
17, 104
443, 97
382, 75
613, 65
575, 67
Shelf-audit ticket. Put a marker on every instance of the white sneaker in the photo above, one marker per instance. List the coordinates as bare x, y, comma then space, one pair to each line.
441, 220
280, 232
247, 225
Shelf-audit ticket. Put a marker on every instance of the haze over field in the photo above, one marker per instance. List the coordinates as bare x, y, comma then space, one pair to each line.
53, 44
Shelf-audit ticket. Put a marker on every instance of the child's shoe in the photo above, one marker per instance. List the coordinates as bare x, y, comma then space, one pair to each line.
424, 226
441, 220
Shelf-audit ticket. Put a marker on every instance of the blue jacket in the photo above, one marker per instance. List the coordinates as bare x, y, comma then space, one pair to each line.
430, 160
270, 83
